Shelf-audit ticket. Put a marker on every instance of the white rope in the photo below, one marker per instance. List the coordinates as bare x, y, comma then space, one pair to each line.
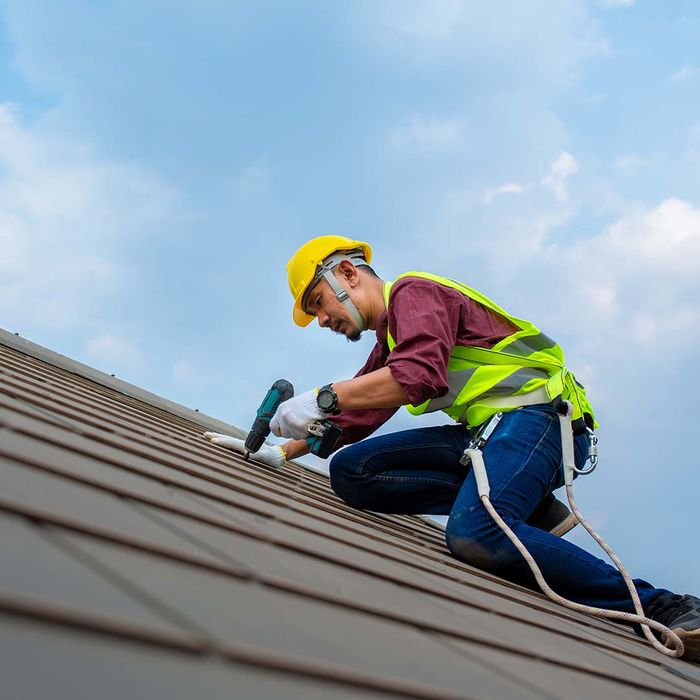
479, 467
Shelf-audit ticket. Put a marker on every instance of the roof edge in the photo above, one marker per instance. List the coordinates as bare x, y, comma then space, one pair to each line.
16, 342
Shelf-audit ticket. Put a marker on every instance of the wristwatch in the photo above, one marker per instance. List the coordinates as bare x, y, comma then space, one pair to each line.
327, 400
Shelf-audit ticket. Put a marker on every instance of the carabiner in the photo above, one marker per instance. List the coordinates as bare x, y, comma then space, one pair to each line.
592, 453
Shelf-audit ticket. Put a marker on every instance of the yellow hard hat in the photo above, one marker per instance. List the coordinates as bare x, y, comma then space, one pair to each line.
306, 267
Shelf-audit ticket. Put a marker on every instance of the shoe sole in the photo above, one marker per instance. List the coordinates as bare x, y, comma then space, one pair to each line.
569, 523
691, 642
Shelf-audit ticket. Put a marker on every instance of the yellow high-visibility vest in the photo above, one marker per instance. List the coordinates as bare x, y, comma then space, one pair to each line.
524, 361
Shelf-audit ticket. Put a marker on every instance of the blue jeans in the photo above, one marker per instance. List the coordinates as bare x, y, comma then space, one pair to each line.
418, 471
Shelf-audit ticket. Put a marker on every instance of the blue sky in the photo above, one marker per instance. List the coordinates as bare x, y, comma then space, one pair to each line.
159, 162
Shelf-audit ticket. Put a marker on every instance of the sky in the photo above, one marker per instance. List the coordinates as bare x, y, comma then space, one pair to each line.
161, 161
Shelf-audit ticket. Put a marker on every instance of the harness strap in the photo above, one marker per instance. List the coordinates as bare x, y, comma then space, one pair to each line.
568, 461
539, 395
474, 455
535, 396
345, 299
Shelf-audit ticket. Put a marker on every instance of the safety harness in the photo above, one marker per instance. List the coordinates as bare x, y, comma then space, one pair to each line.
524, 369
473, 454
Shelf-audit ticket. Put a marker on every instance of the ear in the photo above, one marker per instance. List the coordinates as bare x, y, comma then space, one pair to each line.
348, 272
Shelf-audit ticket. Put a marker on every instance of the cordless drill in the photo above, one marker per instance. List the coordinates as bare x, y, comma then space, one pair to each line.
323, 434
280, 391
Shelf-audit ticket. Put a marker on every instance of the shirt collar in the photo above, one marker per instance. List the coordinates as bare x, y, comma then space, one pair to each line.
382, 327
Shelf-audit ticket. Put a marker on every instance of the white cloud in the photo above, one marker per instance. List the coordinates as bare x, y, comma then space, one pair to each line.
509, 188
602, 296
684, 74
542, 43
421, 132
564, 167
115, 354
665, 240
616, 296
521, 225
634, 287
64, 217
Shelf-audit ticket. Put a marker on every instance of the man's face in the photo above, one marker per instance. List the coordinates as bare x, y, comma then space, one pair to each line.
331, 313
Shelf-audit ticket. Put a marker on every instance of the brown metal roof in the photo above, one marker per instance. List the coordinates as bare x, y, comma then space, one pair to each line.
138, 560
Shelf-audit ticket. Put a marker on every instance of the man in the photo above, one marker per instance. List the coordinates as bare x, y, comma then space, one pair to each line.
443, 346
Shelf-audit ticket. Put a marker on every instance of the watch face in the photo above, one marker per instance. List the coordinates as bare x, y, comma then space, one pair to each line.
325, 399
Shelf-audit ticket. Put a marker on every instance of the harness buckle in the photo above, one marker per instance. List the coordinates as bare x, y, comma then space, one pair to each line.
481, 437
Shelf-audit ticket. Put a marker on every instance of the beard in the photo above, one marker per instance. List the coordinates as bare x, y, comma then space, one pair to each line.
352, 337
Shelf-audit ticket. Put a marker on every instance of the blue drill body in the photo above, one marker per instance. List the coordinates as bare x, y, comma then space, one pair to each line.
280, 391
323, 435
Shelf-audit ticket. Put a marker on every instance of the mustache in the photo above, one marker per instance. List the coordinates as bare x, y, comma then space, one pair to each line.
352, 338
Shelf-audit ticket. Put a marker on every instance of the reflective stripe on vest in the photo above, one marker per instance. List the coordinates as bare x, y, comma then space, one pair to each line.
522, 362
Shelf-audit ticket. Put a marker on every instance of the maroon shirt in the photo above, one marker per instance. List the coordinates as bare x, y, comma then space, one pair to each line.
427, 320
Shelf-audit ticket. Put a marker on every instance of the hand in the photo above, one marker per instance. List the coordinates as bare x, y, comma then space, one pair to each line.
272, 455
294, 415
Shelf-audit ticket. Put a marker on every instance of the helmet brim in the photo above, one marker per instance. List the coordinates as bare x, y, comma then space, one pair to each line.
301, 318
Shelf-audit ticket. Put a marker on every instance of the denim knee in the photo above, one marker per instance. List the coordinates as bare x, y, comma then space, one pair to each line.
480, 543
346, 479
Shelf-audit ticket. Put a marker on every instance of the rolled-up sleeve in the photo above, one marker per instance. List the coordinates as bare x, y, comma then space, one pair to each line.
424, 321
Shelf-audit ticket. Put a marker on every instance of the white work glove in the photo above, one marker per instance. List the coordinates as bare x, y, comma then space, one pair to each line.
294, 415
272, 455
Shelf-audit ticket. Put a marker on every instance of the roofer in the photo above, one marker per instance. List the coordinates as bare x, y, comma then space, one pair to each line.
441, 345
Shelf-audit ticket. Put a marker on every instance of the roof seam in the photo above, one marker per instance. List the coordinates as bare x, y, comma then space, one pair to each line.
322, 479
44, 437
224, 569
138, 497
101, 623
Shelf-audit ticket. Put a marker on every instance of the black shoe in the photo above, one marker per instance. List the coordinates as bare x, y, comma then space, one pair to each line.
680, 613
551, 515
